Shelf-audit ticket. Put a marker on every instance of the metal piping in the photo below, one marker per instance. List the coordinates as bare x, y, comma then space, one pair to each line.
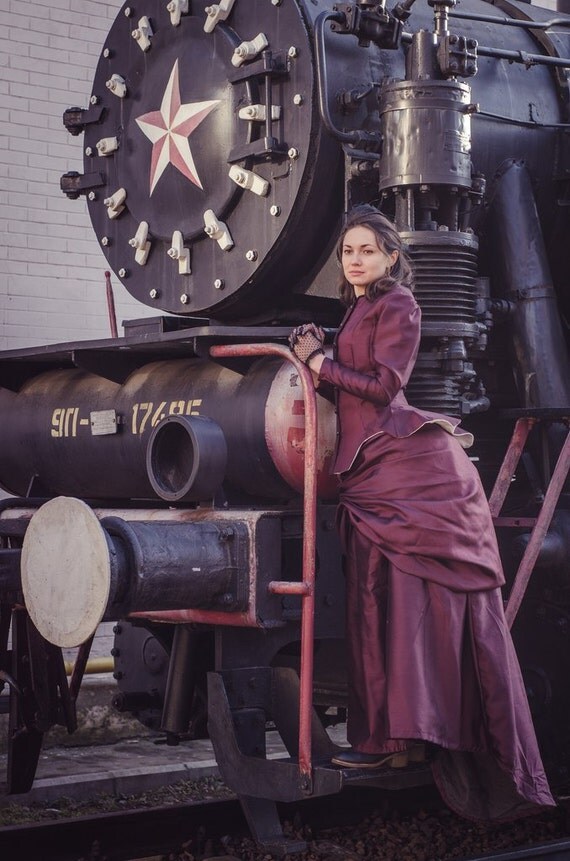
354, 137
523, 276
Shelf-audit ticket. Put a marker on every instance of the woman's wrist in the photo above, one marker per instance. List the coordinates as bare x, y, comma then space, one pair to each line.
316, 362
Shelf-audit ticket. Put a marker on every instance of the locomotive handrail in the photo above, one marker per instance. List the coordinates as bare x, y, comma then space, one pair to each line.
510, 22
306, 588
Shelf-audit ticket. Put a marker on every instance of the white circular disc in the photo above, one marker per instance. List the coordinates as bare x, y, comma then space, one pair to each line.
66, 571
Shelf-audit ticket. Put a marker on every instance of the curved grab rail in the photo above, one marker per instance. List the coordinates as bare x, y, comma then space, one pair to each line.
306, 588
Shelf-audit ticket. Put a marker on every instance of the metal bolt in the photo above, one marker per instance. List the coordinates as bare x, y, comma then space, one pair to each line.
251, 254
293, 52
94, 100
275, 210
117, 629
128, 11
115, 652
106, 53
88, 150
227, 598
293, 152
184, 298
276, 2
297, 99
118, 675
105, 241
153, 293
122, 273
424, 188
92, 195
219, 284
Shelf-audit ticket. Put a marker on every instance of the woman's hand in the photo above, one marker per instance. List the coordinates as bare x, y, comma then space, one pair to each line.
306, 342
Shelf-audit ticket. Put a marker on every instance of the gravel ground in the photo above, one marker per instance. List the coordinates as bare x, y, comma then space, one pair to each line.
425, 834
386, 836
204, 788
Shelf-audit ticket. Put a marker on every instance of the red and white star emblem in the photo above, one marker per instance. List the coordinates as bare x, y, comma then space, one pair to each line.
169, 129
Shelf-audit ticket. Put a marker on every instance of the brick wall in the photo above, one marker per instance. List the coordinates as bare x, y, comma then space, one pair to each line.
52, 286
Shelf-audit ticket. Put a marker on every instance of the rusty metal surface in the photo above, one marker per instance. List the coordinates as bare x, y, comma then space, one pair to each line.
509, 464
539, 532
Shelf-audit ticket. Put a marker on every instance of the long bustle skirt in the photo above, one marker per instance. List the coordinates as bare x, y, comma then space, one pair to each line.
429, 652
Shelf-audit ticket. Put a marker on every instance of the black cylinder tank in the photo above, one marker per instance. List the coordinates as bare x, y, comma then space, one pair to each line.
78, 434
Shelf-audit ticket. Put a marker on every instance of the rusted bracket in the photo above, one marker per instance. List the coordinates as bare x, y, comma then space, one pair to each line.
541, 525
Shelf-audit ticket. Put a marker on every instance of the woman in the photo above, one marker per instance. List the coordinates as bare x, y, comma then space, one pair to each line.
430, 658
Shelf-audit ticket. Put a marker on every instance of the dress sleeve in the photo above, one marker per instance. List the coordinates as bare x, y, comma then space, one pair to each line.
393, 351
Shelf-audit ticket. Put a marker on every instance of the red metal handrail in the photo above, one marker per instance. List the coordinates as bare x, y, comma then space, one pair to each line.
306, 588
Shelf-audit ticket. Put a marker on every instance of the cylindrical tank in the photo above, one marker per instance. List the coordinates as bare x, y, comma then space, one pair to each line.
78, 434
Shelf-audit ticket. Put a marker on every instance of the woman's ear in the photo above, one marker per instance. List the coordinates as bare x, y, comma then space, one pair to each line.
393, 257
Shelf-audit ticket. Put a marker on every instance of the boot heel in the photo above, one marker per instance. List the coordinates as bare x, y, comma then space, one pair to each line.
399, 760
417, 753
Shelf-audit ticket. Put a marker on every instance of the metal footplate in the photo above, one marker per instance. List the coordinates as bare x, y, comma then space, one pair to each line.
240, 702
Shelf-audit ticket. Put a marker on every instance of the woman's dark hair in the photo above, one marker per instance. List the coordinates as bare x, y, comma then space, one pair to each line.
388, 241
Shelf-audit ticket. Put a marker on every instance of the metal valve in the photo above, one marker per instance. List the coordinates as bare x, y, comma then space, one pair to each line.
217, 230
249, 180
117, 85
216, 13
116, 203
141, 243
178, 252
249, 50
107, 145
143, 33
177, 8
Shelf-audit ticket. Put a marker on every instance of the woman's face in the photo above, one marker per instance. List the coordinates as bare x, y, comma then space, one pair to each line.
363, 261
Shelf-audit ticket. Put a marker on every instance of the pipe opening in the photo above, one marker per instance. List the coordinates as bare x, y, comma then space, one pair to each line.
186, 458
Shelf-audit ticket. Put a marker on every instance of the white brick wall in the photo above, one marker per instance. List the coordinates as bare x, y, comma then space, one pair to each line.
52, 285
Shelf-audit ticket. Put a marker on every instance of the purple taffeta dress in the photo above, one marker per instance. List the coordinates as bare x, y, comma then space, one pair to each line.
430, 656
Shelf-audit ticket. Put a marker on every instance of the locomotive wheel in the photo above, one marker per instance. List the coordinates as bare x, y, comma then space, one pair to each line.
541, 635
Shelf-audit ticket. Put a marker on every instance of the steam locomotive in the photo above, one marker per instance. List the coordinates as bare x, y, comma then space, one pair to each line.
176, 479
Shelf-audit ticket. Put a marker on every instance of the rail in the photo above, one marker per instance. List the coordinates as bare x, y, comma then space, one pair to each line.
306, 588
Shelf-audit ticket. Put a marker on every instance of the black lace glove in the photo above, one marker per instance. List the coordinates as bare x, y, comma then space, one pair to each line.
306, 341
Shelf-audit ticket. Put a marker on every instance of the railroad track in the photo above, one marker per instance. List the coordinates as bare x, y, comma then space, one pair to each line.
141, 833
558, 850
121, 836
